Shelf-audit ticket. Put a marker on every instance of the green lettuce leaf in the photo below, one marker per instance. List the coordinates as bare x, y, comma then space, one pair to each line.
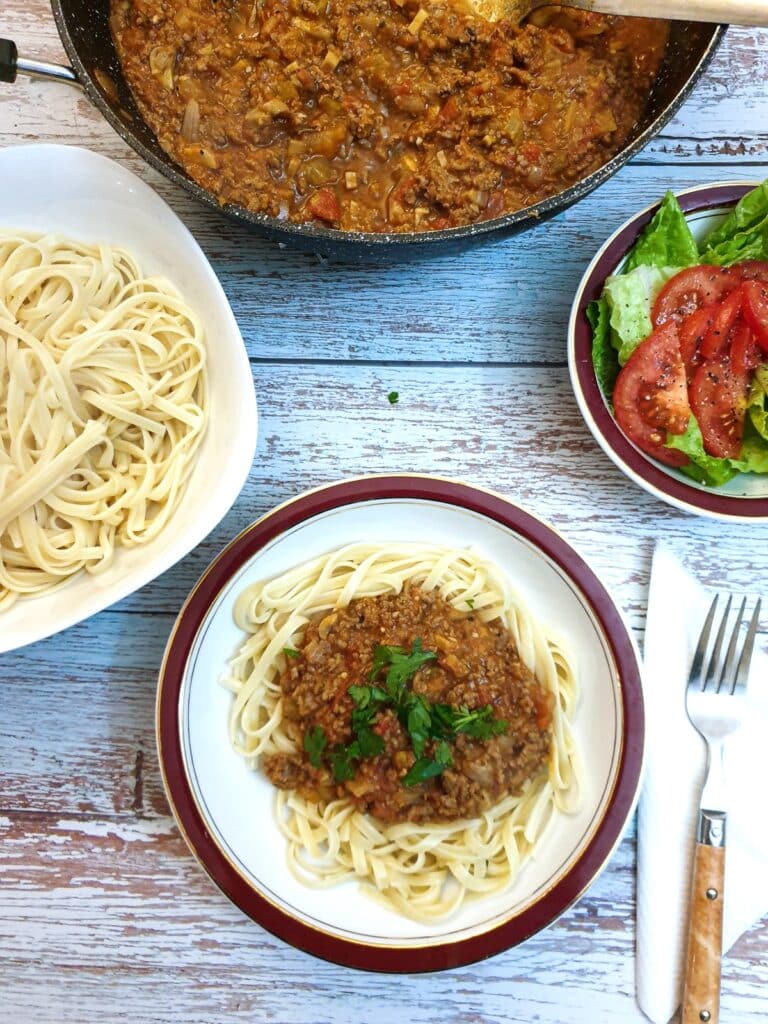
743, 235
604, 358
754, 452
704, 468
757, 403
630, 298
665, 242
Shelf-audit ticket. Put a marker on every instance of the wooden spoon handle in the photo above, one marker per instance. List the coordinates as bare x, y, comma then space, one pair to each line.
731, 12
701, 990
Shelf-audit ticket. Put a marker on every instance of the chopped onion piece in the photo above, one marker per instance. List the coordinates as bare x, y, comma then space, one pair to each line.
190, 125
331, 59
419, 18
275, 107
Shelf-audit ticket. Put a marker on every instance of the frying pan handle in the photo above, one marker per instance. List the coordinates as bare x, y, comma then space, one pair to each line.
11, 65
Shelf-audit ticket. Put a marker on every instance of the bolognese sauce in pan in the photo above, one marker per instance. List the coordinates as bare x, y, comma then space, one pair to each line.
383, 115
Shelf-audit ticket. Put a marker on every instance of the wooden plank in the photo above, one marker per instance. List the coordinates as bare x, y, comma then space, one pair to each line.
119, 899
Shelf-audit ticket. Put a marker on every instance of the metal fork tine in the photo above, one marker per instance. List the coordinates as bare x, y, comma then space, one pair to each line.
701, 647
714, 659
728, 671
742, 673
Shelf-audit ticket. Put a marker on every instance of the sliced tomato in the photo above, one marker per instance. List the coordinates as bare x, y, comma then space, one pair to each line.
756, 309
718, 396
717, 337
746, 354
650, 397
690, 290
752, 270
693, 330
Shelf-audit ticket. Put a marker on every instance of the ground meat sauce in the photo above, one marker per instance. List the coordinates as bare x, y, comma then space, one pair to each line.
477, 665
383, 115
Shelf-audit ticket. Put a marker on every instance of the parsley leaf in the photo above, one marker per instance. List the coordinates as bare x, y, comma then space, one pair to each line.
314, 744
479, 724
361, 695
291, 652
402, 666
393, 397
343, 761
417, 723
425, 723
443, 755
470, 601
371, 744
425, 768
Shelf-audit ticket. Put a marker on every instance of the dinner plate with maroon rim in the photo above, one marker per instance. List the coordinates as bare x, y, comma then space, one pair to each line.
745, 498
500, 925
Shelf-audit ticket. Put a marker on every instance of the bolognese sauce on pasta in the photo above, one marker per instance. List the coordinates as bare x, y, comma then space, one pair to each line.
468, 690
413, 716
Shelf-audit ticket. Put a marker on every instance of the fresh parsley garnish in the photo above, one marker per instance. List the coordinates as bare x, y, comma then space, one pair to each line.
402, 665
291, 652
393, 397
314, 744
418, 723
470, 601
479, 723
423, 769
343, 761
426, 723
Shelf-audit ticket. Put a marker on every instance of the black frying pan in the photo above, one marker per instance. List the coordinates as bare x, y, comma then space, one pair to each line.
84, 29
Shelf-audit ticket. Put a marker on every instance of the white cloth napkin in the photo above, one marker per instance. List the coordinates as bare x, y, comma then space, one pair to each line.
674, 772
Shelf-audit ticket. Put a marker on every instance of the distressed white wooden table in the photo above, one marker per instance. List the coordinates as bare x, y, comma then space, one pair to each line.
104, 915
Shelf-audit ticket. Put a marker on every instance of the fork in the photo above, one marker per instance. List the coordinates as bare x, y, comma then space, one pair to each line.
714, 701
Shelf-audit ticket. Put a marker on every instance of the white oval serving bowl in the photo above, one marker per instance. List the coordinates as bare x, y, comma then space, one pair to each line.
51, 188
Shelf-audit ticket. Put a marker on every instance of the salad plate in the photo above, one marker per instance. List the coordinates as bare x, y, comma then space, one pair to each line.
619, 291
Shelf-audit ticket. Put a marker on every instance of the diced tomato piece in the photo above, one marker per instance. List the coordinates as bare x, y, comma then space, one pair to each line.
718, 335
651, 395
718, 397
324, 204
450, 109
531, 151
690, 290
756, 310
401, 189
693, 330
746, 354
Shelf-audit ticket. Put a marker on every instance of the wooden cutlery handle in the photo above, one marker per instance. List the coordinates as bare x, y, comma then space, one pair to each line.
732, 12
701, 991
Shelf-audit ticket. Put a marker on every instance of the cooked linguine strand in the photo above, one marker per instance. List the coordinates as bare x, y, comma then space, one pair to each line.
103, 405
